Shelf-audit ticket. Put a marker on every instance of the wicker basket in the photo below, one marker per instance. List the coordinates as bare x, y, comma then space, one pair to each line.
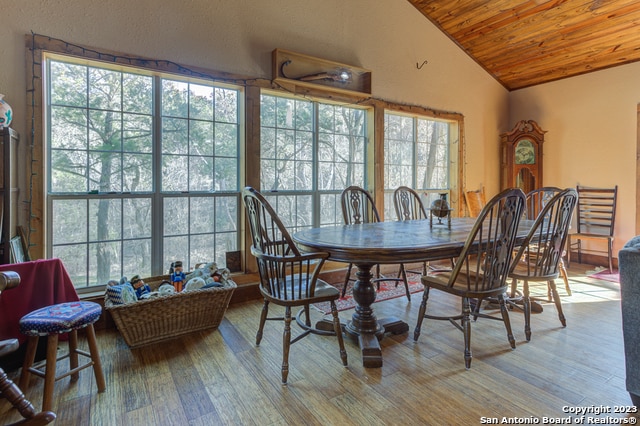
165, 317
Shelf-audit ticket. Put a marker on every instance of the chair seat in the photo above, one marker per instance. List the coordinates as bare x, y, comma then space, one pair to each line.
323, 290
522, 271
60, 318
460, 287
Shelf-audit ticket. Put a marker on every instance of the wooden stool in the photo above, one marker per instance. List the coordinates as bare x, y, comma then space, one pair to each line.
52, 321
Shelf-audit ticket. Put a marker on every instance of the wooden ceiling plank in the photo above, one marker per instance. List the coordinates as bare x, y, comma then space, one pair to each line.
450, 14
501, 21
598, 39
570, 64
484, 12
545, 30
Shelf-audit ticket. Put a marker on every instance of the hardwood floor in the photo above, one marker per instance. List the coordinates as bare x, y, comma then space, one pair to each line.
221, 377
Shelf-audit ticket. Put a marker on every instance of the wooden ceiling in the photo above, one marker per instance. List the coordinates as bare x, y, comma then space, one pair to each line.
524, 43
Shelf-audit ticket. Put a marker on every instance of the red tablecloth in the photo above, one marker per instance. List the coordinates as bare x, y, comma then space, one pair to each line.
42, 283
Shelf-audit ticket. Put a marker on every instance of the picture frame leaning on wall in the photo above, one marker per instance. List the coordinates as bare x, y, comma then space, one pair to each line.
17, 252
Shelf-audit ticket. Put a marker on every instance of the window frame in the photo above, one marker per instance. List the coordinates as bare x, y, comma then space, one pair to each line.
453, 161
157, 194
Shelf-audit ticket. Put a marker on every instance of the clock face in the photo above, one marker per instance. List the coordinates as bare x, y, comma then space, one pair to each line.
525, 152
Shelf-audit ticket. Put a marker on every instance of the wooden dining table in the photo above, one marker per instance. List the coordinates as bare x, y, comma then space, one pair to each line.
368, 244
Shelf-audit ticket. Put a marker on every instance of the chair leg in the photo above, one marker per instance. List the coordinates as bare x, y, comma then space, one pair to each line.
421, 313
565, 277
466, 329
73, 353
29, 357
579, 251
403, 271
507, 322
286, 344
558, 302
337, 327
263, 319
95, 358
50, 372
514, 287
610, 253
526, 303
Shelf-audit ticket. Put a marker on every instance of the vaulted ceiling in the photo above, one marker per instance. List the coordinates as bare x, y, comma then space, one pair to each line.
524, 43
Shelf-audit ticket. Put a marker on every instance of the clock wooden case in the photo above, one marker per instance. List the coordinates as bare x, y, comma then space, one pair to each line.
521, 162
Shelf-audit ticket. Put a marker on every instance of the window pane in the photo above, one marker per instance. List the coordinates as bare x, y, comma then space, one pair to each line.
137, 173
69, 171
201, 217
105, 89
136, 258
105, 219
68, 84
136, 218
175, 174
137, 134
71, 223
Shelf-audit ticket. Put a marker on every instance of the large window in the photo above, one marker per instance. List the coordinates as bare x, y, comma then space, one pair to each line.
142, 170
417, 154
309, 152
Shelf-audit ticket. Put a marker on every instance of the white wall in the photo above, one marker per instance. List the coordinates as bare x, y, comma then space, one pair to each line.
591, 134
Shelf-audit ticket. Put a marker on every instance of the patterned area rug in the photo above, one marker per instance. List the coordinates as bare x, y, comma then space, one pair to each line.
388, 290
604, 274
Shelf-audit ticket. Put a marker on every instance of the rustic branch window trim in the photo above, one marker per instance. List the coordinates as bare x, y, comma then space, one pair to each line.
37, 44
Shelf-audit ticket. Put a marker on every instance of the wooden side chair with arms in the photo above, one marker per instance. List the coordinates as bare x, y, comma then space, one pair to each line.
539, 256
288, 278
475, 201
482, 267
595, 217
536, 201
358, 207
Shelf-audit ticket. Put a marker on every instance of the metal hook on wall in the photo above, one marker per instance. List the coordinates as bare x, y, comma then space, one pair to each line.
419, 66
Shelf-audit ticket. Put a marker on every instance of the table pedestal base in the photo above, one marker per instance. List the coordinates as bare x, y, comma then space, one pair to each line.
369, 342
364, 327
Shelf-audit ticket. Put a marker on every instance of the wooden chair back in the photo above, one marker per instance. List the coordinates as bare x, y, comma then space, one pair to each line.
540, 254
538, 199
485, 260
596, 213
286, 275
358, 206
475, 200
408, 204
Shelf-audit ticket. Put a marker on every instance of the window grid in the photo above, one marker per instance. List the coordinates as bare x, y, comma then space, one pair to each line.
310, 152
102, 187
417, 155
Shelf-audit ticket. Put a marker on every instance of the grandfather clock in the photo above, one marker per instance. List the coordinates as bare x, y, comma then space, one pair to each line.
521, 162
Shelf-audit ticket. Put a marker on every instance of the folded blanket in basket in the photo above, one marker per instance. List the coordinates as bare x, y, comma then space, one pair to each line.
121, 294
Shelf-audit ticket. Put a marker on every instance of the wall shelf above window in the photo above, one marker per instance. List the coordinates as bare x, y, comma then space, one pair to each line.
299, 70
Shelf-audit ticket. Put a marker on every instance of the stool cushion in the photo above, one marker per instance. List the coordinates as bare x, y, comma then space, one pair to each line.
60, 318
